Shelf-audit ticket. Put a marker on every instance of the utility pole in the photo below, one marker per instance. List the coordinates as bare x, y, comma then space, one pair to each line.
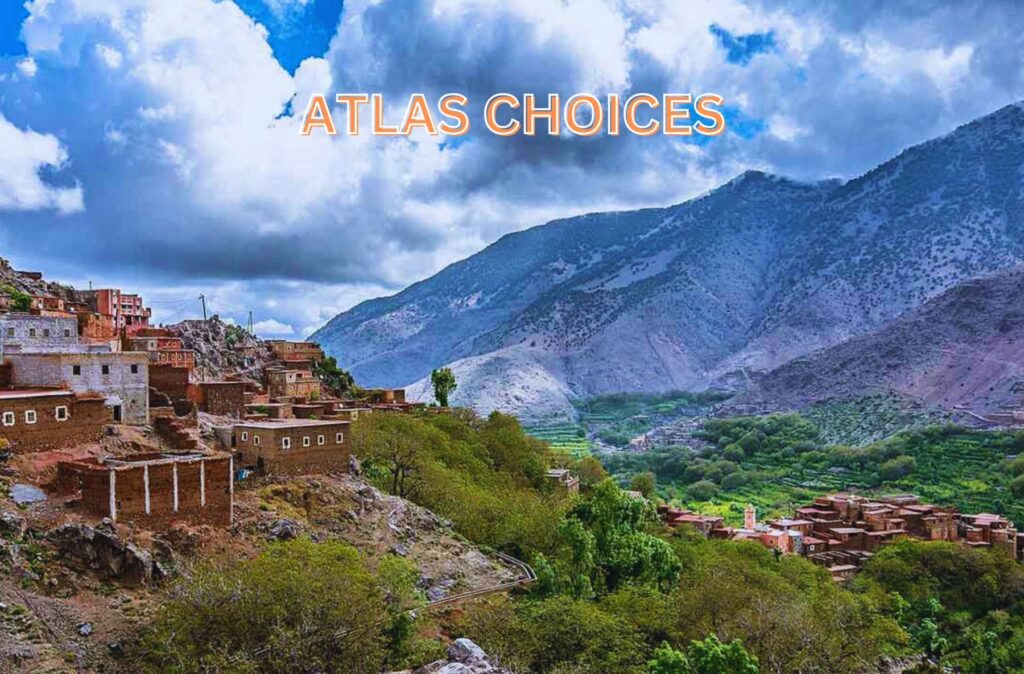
202, 298
250, 322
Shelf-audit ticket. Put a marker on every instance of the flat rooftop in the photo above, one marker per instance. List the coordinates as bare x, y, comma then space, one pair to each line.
32, 393
290, 423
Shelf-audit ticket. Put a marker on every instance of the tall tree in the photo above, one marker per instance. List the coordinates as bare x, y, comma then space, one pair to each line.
443, 380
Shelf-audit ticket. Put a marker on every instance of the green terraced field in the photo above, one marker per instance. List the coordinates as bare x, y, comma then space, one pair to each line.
563, 437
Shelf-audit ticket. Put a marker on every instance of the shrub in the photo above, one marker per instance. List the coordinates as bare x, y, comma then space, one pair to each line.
704, 490
898, 468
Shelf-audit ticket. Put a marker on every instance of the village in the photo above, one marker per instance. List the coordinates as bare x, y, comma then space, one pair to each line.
88, 365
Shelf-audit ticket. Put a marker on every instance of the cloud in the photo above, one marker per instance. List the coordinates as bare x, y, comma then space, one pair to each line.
272, 327
23, 156
190, 154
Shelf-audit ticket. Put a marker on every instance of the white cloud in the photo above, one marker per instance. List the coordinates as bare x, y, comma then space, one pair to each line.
28, 67
23, 154
110, 56
272, 327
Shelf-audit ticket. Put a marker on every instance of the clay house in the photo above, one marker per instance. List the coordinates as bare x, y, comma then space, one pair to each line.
163, 349
34, 420
293, 446
385, 396
563, 480
221, 398
705, 524
126, 309
122, 379
153, 490
989, 531
295, 355
169, 381
29, 333
293, 384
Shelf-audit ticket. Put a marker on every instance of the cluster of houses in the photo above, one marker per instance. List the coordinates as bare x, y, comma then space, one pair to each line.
71, 371
842, 531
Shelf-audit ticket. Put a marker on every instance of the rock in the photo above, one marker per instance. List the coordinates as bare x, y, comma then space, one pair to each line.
284, 529
85, 548
464, 657
400, 550
12, 525
354, 467
26, 493
85, 629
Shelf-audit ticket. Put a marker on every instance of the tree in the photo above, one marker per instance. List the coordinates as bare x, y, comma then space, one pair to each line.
444, 383
643, 483
1017, 486
668, 660
297, 607
897, 468
711, 656
704, 490
400, 445
20, 301
332, 376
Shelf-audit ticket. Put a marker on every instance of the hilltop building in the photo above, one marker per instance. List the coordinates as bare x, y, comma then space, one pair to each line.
293, 446
36, 419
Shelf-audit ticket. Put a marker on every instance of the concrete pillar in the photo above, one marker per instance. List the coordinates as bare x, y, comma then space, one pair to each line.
113, 495
145, 485
174, 473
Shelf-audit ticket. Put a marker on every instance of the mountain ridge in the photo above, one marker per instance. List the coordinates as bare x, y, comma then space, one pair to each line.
743, 278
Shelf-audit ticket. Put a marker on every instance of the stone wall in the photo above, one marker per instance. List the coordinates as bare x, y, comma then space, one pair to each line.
121, 378
222, 398
27, 333
169, 380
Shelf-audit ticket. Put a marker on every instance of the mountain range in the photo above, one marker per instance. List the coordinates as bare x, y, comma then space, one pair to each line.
737, 282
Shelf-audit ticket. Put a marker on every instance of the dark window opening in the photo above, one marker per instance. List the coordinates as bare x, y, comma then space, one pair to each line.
76, 369
106, 369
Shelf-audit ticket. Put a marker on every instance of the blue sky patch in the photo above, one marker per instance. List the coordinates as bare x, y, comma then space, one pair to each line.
12, 15
297, 31
739, 49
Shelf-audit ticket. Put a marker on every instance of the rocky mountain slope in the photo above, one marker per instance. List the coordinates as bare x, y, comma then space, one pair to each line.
962, 348
745, 278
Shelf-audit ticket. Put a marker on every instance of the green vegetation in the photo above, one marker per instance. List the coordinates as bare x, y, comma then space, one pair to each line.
443, 381
297, 607
564, 437
618, 418
615, 591
334, 377
780, 461
19, 300
867, 419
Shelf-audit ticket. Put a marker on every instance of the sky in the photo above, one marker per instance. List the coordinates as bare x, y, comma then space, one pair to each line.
155, 146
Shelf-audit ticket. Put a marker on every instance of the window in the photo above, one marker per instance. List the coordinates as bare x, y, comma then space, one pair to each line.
256, 440
245, 436
135, 369
8, 418
67, 333
320, 439
10, 332
286, 443
339, 438
105, 369
46, 332
62, 413
76, 370
31, 332
30, 416
305, 441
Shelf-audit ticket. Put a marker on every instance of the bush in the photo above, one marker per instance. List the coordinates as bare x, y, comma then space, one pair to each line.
735, 480
704, 490
898, 468
297, 607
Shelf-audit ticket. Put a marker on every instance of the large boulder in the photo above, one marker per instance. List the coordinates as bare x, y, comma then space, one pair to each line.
464, 657
100, 550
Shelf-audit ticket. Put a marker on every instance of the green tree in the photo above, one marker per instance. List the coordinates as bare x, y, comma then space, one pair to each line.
332, 376
897, 468
704, 490
643, 483
711, 656
443, 380
668, 660
19, 300
297, 607
400, 445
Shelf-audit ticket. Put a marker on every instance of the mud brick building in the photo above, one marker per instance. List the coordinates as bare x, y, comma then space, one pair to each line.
40, 419
293, 384
30, 333
153, 490
293, 446
564, 480
121, 378
385, 396
223, 398
169, 380
986, 530
163, 348
295, 355
126, 309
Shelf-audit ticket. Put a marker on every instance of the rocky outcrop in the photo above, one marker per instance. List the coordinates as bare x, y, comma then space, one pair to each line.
464, 657
100, 550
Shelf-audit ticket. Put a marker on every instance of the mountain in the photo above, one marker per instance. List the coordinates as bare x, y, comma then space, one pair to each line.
962, 348
744, 278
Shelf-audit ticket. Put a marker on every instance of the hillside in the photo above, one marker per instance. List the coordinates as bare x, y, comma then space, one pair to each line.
747, 277
962, 348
